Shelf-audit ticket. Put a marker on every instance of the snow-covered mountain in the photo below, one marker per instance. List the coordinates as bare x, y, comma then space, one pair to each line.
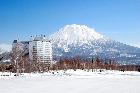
75, 35
80, 40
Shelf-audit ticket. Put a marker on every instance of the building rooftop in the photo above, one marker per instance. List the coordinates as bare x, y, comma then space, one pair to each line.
41, 38
23, 42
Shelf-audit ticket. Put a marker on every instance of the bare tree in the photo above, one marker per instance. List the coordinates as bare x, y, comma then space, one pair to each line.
16, 56
92, 63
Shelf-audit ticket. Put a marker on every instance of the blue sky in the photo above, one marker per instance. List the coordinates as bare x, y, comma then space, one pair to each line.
117, 19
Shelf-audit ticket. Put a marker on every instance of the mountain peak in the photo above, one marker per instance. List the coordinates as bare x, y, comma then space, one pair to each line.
73, 34
81, 31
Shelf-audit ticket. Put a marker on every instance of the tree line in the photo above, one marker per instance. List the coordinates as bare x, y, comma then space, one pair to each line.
90, 64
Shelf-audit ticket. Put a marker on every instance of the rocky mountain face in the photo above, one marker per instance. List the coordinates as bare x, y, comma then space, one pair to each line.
80, 40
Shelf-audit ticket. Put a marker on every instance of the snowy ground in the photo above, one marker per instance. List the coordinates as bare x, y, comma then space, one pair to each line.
72, 82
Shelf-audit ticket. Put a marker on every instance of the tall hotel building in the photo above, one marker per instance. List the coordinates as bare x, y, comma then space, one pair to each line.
40, 50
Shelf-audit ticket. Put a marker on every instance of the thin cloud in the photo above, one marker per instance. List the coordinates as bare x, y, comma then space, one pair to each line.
136, 45
5, 47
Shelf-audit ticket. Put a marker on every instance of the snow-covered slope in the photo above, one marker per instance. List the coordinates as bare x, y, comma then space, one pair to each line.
80, 40
71, 82
73, 34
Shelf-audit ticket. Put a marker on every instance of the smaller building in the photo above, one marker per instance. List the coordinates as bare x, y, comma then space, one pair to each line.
20, 47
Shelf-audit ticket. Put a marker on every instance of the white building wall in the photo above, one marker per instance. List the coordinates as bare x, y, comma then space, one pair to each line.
40, 51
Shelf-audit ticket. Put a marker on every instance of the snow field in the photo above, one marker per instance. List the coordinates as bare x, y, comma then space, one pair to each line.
72, 82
